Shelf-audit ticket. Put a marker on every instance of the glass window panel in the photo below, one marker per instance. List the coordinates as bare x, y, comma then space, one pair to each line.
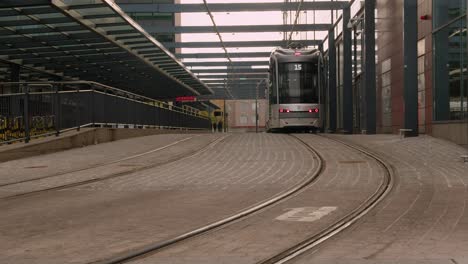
421, 82
447, 10
421, 64
450, 72
421, 47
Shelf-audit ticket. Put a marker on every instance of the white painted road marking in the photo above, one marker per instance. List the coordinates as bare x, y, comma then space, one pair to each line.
306, 214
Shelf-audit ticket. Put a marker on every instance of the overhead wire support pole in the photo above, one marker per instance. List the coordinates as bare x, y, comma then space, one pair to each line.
220, 40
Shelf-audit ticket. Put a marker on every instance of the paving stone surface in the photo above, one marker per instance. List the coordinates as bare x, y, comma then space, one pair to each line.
349, 179
424, 220
75, 159
96, 162
98, 220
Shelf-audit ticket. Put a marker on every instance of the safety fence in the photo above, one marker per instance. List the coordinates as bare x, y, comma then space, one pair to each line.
54, 107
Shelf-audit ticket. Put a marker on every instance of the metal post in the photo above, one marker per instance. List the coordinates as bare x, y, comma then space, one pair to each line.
332, 80
93, 102
256, 108
347, 74
410, 50
14, 77
356, 89
57, 110
224, 117
27, 132
369, 71
78, 108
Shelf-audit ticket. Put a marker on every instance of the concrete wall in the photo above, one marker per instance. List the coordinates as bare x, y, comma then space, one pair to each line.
242, 114
454, 131
74, 139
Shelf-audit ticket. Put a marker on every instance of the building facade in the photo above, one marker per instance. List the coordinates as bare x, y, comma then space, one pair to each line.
441, 68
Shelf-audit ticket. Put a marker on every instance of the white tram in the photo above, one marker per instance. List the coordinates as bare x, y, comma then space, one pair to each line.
295, 90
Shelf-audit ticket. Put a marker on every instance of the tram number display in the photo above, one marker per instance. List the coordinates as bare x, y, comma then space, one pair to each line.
298, 67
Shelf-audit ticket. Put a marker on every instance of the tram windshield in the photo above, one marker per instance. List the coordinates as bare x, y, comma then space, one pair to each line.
298, 83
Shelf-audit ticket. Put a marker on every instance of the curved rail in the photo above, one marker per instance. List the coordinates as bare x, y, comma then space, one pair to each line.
346, 221
115, 175
96, 165
219, 224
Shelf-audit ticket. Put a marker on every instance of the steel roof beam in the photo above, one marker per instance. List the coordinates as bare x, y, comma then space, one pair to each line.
28, 22
121, 56
232, 7
229, 29
237, 44
222, 55
229, 76
229, 71
225, 63
22, 3
234, 81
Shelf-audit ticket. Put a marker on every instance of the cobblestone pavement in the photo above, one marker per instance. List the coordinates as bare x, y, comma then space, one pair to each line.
75, 159
424, 220
349, 178
97, 220
96, 162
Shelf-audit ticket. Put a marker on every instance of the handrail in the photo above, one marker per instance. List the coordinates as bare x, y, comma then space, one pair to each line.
106, 88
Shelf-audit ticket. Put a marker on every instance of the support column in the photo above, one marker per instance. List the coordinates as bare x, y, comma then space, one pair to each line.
369, 63
331, 81
14, 77
410, 50
347, 74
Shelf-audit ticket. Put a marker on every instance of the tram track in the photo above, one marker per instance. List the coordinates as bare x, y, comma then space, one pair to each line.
298, 249
95, 166
110, 176
288, 255
242, 215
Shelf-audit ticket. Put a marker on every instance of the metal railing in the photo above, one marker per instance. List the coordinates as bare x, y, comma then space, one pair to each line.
54, 107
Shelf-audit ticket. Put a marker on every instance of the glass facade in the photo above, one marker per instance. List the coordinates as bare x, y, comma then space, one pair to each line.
450, 60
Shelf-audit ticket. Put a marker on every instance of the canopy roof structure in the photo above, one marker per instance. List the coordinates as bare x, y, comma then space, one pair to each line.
228, 43
89, 40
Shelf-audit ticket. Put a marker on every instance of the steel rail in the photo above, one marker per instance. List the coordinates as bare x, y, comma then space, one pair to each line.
242, 215
115, 175
345, 222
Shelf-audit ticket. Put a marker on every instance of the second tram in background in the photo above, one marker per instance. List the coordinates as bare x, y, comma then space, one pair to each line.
295, 87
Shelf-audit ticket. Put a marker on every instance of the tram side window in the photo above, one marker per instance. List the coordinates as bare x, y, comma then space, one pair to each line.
272, 85
298, 83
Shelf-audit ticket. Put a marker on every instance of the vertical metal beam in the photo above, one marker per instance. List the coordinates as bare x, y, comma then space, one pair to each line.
369, 71
14, 77
410, 50
331, 81
57, 106
347, 74
27, 132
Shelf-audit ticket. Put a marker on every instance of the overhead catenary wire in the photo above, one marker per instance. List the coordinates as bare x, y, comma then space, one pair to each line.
222, 43
298, 11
